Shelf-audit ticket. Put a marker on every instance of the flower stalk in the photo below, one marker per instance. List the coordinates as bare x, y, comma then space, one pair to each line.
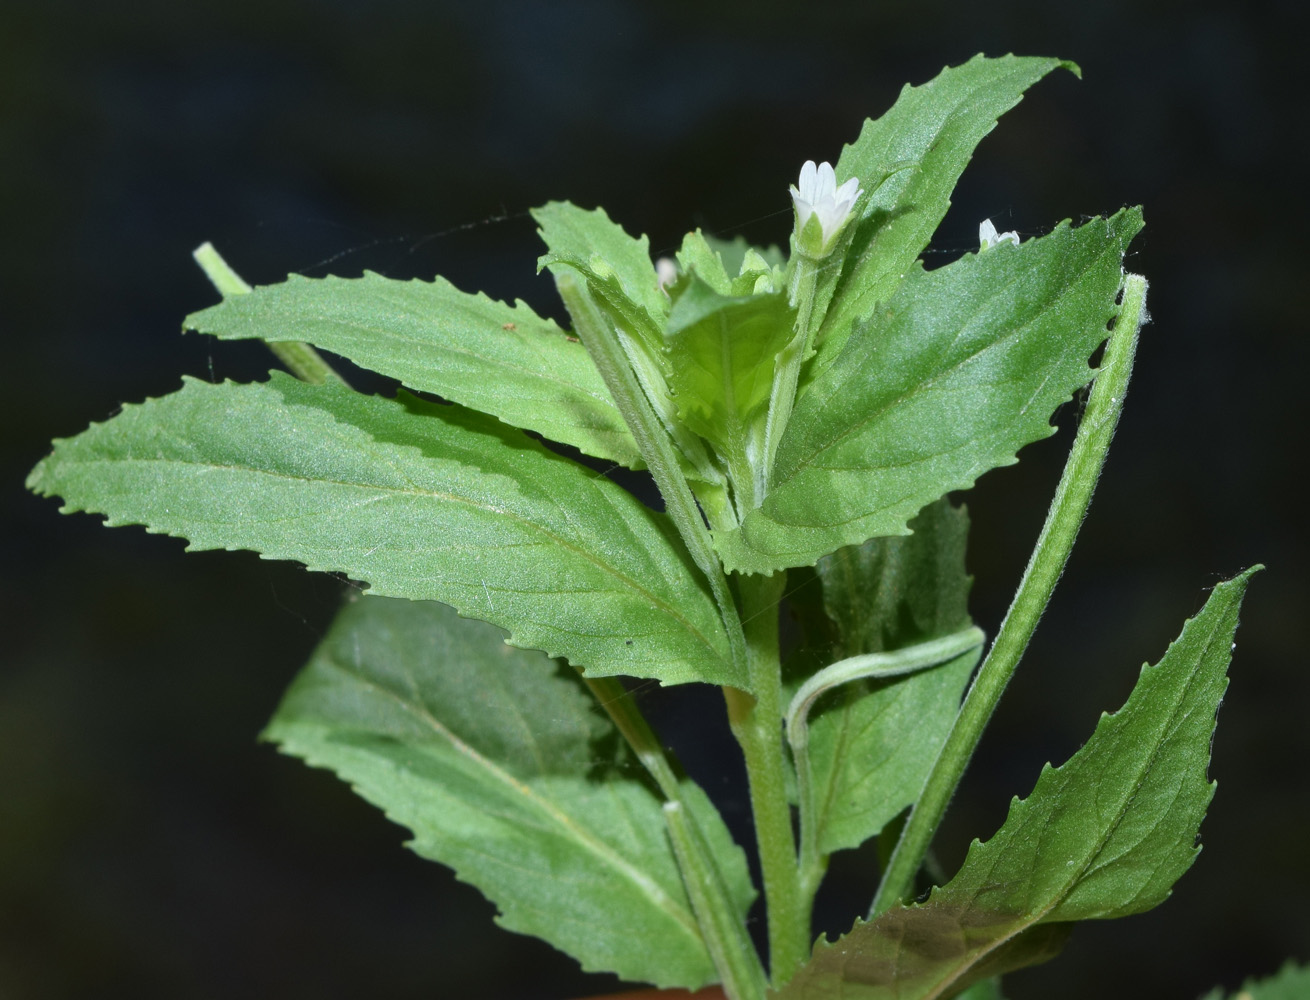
822, 211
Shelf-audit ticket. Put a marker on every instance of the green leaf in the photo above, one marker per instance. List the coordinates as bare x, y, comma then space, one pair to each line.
908, 162
1291, 982
617, 268
958, 371
500, 359
737, 255
894, 592
621, 279
730, 268
984, 989
699, 256
721, 351
872, 743
1106, 835
502, 768
419, 500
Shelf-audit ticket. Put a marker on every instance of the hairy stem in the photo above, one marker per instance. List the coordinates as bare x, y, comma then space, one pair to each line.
757, 724
875, 666
602, 343
801, 282
725, 936
1069, 506
301, 359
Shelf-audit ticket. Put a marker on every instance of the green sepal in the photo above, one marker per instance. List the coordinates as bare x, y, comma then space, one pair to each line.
470, 349
1105, 835
960, 369
499, 763
419, 500
809, 239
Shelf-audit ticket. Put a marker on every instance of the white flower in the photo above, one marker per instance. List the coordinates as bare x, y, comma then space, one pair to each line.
666, 273
989, 237
817, 194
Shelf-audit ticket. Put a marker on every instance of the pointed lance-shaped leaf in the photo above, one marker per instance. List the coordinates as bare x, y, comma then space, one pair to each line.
498, 763
500, 359
960, 369
909, 161
1105, 835
622, 280
697, 254
617, 267
416, 499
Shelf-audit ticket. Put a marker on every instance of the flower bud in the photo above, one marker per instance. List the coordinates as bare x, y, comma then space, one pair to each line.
822, 208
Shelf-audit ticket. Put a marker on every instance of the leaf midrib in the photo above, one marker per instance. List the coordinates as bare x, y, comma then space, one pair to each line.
916, 182
827, 444
651, 889
383, 492
1091, 855
363, 331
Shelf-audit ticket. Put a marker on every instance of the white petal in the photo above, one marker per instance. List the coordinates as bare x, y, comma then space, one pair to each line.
666, 270
803, 208
849, 190
827, 181
989, 237
807, 181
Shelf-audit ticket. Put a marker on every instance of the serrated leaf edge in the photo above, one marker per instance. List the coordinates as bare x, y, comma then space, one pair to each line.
514, 636
978, 846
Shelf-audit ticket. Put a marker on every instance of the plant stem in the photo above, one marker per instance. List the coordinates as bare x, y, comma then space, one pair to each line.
1068, 507
866, 666
602, 343
801, 283
614, 698
300, 358
757, 724
725, 936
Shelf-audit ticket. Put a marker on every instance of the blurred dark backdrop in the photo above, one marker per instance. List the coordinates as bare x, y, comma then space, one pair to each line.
150, 848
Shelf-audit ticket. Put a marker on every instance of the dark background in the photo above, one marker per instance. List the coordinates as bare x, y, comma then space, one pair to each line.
149, 847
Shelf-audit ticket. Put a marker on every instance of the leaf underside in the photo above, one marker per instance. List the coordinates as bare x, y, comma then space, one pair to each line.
1105, 835
418, 500
503, 769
